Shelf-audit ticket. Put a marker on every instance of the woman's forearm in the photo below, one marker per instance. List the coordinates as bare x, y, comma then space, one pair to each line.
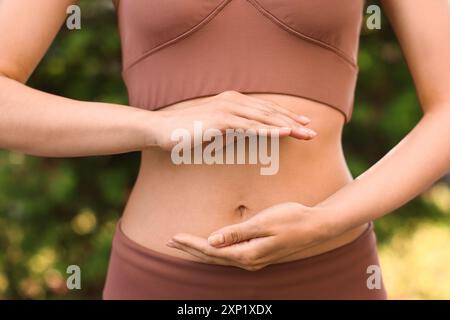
420, 159
43, 124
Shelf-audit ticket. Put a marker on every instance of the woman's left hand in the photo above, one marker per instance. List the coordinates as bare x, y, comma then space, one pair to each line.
270, 235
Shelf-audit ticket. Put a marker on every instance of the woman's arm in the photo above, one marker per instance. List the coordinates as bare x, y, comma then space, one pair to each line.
422, 157
38, 123
42, 124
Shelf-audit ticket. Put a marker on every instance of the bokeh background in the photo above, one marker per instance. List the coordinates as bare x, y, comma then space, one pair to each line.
58, 212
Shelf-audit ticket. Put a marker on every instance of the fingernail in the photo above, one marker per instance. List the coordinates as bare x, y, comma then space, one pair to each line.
176, 238
310, 133
216, 239
304, 119
170, 243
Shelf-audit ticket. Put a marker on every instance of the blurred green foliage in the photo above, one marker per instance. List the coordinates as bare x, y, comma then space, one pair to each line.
57, 212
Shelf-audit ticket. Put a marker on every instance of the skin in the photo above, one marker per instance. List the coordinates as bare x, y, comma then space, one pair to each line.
300, 216
420, 158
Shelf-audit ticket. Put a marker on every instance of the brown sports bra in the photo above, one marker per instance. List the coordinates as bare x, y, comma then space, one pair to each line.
175, 50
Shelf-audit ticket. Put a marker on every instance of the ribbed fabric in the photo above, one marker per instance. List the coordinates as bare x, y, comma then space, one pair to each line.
177, 50
136, 272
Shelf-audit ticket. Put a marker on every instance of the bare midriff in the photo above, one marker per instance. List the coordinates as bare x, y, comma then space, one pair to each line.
201, 198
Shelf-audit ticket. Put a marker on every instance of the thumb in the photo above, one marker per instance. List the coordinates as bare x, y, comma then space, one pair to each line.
234, 234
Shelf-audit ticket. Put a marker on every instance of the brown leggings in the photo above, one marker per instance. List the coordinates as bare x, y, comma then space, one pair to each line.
136, 272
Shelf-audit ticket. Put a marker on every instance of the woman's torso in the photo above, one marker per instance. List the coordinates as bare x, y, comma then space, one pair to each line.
200, 198
292, 52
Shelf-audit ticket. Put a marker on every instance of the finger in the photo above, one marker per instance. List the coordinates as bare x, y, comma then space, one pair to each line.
198, 254
269, 116
266, 105
217, 261
258, 127
249, 254
236, 233
295, 131
201, 245
303, 133
266, 114
242, 105
274, 106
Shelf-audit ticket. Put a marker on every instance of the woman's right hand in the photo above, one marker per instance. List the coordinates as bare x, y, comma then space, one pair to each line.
228, 110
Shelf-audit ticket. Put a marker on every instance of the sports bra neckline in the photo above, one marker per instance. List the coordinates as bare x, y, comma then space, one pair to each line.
175, 50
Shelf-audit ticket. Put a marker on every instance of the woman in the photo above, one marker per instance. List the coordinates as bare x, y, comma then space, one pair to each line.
224, 231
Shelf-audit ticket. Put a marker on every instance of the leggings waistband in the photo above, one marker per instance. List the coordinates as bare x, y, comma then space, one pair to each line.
148, 273
122, 241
